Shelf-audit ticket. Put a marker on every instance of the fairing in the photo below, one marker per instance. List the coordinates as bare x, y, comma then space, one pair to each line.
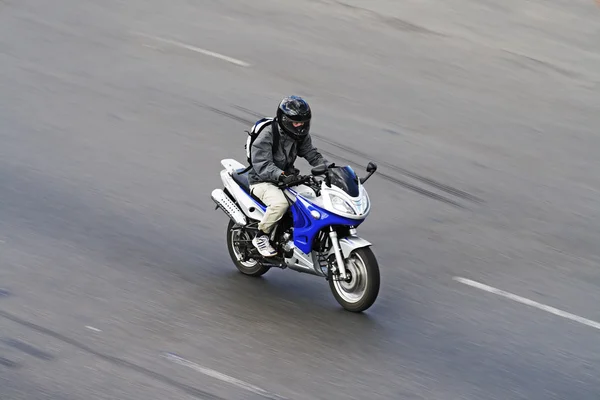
306, 226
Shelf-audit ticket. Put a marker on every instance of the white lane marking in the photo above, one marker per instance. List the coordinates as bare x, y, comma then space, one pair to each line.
222, 377
523, 300
91, 328
195, 49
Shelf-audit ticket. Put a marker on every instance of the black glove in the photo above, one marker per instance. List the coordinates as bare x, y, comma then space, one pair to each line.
287, 179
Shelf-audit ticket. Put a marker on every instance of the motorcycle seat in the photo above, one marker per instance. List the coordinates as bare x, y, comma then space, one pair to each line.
242, 180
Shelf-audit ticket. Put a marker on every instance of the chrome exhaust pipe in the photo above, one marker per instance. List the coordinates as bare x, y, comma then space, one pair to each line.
228, 206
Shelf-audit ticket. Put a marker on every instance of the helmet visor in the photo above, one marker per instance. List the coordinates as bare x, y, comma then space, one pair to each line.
298, 128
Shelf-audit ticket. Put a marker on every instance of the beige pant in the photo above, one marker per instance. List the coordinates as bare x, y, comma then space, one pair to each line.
275, 201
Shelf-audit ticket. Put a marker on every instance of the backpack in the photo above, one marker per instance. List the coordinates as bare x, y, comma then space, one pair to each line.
256, 129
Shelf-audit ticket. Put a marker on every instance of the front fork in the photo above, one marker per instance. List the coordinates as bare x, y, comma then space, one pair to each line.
338, 253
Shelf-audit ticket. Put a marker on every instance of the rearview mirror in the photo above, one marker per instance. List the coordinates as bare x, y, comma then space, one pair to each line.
319, 170
371, 168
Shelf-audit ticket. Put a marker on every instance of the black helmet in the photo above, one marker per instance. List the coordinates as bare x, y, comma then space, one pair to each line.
294, 110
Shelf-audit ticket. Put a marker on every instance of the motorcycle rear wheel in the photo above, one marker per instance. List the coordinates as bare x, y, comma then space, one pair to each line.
250, 267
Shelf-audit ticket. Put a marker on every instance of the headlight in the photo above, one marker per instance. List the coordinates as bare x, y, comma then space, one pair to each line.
341, 205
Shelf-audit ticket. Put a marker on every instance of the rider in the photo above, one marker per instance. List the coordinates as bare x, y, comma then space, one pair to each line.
270, 166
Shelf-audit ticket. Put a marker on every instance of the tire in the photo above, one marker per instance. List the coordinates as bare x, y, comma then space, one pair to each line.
251, 267
345, 293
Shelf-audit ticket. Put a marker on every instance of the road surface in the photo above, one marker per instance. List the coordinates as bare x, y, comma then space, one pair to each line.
115, 281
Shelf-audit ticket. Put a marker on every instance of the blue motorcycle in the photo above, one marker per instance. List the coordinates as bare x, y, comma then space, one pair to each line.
317, 235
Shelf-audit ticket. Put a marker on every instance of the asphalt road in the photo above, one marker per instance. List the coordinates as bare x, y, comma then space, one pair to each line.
115, 281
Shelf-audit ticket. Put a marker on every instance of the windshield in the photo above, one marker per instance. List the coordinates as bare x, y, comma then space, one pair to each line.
345, 179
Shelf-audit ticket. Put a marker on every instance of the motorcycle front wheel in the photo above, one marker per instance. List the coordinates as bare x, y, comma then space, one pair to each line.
249, 267
361, 289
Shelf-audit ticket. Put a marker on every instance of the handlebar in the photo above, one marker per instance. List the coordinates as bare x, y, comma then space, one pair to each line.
300, 181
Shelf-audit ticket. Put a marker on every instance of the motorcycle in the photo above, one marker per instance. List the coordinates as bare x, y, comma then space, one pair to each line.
317, 235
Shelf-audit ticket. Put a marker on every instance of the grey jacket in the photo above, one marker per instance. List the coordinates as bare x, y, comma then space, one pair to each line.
267, 165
